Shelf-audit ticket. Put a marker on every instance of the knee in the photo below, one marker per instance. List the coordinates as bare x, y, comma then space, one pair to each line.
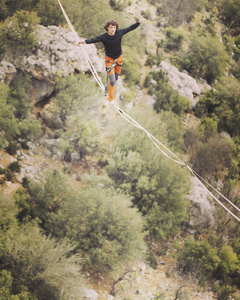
112, 79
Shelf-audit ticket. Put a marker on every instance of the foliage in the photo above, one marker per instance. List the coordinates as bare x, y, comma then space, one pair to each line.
16, 32
179, 11
206, 57
230, 13
108, 231
18, 98
132, 66
48, 269
210, 152
11, 6
104, 227
6, 293
174, 39
119, 4
15, 167
157, 186
78, 133
11, 126
4, 10
43, 199
229, 261
152, 259
8, 123
94, 15
198, 258
167, 99
223, 101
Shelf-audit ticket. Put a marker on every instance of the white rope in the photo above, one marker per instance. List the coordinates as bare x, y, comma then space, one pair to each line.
151, 137
90, 65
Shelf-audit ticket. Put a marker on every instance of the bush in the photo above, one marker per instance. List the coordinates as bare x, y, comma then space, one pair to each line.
200, 259
17, 31
156, 186
15, 167
230, 12
223, 102
174, 39
107, 230
167, 99
180, 11
48, 269
119, 4
6, 288
205, 58
152, 259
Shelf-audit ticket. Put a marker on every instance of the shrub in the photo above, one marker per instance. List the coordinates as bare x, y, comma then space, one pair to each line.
107, 230
199, 259
48, 269
174, 39
157, 186
15, 167
119, 4
17, 31
180, 11
223, 102
230, 12
167, 99
152, 259
205, 58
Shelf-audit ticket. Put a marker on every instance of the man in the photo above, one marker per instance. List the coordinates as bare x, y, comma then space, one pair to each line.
112, 40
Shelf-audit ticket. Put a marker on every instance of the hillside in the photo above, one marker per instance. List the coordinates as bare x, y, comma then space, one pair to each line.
90, 209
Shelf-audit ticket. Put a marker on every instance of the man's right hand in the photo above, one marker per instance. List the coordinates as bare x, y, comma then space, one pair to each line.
81, 41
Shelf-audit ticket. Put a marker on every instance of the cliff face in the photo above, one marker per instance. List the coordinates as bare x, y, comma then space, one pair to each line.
55, 55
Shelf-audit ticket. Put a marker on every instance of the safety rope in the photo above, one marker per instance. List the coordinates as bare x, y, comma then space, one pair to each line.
151, 137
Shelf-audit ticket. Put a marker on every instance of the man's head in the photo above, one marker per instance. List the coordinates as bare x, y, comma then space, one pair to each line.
111, 27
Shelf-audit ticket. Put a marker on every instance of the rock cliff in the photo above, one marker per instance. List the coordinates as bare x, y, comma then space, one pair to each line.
55, 55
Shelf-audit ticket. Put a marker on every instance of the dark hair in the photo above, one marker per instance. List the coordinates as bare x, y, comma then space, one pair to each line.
111, 22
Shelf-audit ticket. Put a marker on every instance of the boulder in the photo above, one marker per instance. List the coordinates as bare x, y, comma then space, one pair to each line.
7, 72
88, 294
202, 208
184, 84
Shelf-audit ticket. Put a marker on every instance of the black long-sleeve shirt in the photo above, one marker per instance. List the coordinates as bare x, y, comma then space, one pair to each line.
112, 43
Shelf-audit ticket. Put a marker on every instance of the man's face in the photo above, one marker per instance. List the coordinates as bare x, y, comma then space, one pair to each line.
111, 29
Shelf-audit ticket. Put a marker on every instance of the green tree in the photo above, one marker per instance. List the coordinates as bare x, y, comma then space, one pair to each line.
14, 5
6, 293
157, 186
180, 11
167, 99
4, 10
230, 12
198, 258
77, 122
8, 122
229, 263
174, 39
223, 102
108, 231
48, 269
17, 32
205, 58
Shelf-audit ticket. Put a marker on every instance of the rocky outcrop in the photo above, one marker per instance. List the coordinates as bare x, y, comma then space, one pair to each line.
202, 208
7, 72
184, 84
55, 55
